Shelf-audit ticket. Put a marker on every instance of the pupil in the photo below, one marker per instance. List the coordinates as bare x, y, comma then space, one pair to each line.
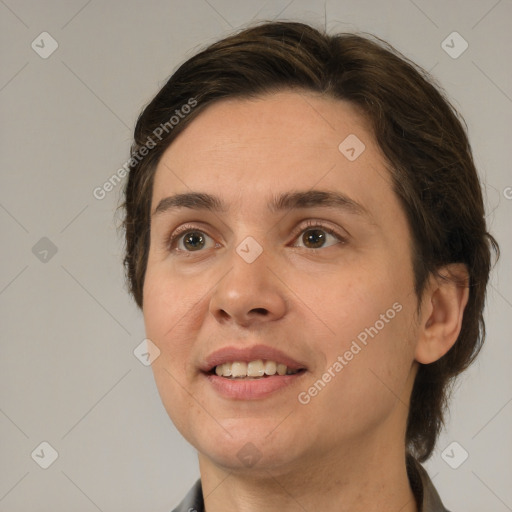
193, 241
314, 237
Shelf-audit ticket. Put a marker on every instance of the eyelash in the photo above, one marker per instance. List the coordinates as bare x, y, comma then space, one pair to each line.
311, 224
308, 225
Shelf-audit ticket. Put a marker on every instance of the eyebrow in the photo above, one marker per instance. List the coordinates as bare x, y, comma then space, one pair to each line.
280, 203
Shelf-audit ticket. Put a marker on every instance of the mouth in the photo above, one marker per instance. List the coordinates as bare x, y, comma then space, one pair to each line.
257, 369
251, 373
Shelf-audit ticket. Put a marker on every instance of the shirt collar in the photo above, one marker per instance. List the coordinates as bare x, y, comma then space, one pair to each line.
427, 498
193, 501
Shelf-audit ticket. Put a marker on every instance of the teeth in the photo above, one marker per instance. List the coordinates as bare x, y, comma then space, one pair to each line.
270, 368
254, 369
239, 369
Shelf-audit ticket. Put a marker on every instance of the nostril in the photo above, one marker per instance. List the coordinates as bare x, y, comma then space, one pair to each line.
261, 311
223, 314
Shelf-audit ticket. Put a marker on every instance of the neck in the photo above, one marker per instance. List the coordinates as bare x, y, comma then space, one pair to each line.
366, 478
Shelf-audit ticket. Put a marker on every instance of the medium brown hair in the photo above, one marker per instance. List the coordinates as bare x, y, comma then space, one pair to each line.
419, 132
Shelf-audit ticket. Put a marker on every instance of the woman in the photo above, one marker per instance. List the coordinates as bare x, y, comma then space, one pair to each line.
305, 236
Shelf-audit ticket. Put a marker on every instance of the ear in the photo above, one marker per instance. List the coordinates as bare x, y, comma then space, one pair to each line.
442, 308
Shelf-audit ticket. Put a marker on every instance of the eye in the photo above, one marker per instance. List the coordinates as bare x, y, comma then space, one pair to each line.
190, 240
317, 236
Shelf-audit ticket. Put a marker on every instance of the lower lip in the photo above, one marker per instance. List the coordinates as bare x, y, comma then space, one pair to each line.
251, 389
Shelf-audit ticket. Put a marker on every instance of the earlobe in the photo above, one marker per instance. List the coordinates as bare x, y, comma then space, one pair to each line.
443, 304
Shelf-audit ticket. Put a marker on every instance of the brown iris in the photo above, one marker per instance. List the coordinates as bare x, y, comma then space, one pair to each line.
313, 238
194, 240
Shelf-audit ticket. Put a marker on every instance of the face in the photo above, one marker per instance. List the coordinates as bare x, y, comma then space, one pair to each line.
279, 285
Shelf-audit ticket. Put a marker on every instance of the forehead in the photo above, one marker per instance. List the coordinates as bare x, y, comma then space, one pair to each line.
244, 149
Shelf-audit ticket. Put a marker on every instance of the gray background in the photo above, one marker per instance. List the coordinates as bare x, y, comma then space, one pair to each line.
68, 328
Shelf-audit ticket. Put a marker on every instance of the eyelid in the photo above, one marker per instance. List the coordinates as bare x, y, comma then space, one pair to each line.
311, 224
179, 232
303, 226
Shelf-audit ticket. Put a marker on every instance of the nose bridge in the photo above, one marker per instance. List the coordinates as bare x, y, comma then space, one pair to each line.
249, 292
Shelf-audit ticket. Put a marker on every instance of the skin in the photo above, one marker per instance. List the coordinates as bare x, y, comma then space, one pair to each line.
344, 449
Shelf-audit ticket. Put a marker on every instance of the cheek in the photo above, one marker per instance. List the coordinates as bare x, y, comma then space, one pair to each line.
369, 315
376, 355
172, 308
358, 300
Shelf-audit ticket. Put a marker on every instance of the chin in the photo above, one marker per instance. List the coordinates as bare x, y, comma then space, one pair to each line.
251, 446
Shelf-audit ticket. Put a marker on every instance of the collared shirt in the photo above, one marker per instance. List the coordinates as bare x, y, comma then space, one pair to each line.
424, 491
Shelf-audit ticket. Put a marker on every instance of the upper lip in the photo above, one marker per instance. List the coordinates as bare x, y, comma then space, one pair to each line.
231, 354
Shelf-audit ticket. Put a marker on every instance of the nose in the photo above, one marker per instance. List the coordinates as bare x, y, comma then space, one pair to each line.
250, 293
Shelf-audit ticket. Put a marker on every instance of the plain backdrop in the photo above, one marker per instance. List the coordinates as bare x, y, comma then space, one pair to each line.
68, 373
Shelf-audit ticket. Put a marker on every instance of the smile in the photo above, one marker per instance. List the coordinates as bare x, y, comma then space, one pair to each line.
253, 370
